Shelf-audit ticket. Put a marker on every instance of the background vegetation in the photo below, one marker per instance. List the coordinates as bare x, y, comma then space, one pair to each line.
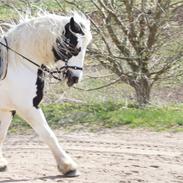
114, 105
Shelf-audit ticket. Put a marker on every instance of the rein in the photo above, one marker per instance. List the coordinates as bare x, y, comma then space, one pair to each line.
43, 67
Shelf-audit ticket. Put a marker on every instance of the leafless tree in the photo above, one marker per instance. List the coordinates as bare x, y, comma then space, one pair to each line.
137, 40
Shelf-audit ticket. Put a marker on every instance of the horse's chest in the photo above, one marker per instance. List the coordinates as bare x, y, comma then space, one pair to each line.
24, 88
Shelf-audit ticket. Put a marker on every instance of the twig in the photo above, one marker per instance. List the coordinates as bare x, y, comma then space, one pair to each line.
102, 35
100, 87
59, 4
103, 76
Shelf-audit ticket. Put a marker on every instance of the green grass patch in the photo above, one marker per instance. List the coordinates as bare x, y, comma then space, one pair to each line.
9, 11
109, 115
6, 13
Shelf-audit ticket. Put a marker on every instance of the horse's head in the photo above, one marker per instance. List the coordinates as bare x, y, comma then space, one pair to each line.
70, 48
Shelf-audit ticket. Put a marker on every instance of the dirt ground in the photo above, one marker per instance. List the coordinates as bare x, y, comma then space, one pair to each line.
108, 156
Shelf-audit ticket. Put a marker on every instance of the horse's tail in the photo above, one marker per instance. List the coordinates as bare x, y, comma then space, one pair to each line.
3, 59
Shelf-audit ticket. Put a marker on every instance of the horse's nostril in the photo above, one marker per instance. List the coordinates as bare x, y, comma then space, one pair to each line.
72, 80
75, 79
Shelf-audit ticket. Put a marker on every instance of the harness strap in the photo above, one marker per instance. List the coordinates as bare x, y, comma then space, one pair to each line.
71, 67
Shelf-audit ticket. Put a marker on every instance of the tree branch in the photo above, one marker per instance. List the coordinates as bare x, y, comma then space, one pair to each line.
103, 86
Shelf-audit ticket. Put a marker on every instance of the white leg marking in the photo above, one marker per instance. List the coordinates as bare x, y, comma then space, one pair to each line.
36, 119
5, 120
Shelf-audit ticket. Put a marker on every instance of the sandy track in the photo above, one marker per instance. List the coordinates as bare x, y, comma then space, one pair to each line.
111, 156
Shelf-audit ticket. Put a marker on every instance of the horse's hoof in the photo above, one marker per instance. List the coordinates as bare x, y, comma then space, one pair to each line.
3, 164
72, 173
3, 168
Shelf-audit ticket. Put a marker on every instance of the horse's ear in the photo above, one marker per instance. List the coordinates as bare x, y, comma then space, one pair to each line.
75, 27
72, 22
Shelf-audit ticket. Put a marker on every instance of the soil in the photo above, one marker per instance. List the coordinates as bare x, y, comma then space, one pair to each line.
108, 156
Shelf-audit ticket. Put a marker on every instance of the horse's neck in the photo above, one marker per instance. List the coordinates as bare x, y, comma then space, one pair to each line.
33, 42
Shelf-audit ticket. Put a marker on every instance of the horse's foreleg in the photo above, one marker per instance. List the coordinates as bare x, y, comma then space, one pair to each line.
36, 119
5, 120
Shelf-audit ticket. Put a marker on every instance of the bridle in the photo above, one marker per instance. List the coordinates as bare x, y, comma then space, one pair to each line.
62, 70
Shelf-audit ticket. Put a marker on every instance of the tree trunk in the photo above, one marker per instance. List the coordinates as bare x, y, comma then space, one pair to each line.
142, 90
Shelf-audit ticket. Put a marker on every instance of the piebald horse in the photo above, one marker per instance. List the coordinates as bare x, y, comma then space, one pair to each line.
30, 49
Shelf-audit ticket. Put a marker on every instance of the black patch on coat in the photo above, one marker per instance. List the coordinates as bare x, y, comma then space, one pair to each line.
67, 44
40, 87
13, 113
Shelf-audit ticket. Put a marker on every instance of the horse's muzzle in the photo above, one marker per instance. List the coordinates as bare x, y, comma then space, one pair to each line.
71, 79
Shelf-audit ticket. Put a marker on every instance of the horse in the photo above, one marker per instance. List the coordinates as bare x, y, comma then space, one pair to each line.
30, 49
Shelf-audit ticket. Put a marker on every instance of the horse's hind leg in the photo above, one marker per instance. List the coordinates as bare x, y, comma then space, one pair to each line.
36, 119
5, 120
